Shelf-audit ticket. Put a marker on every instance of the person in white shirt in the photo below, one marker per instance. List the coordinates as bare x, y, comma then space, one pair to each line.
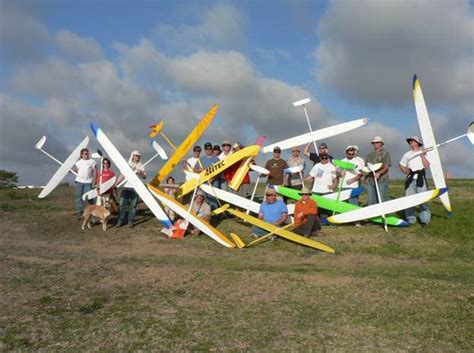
414, 164
324, 176
129, 196
193, 164
352, 177
85, 169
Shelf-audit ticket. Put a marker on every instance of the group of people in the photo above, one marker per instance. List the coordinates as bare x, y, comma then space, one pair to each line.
87, 176
325, 177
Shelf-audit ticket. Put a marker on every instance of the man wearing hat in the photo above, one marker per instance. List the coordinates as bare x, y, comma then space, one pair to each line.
129, 195
414, 164
294, 179
201, 208
206, 161
276, 166
306, 215
273, 211
378, 155
226, 149
352, 177
314, 157
193, 162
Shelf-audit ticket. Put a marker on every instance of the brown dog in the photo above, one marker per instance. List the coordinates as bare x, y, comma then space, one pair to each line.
102, 212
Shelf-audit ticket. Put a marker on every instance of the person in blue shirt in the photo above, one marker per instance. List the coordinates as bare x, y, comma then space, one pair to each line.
273, 211
206, 161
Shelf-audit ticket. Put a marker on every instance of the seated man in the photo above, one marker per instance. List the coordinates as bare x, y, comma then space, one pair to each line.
272, 211
201, 208
306, 215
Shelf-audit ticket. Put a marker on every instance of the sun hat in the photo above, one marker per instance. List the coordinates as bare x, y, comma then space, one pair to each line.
415, 138
352, 147
277, 149
136, 153
377, 139
305, 191
323, 145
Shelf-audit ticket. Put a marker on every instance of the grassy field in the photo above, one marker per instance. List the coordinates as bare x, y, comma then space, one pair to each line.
64, 289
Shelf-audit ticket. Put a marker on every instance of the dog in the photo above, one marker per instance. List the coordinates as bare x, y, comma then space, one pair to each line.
102, 212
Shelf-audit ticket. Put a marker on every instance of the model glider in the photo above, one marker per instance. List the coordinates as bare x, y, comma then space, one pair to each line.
181, 151
192, 218
217, 168
340, 207
244, 167
64, 169
39, 146
316, 135
387, 207
278, 231
92, 194
345, 166
155, 129
261, 171
130, 175
303, 102
429, 140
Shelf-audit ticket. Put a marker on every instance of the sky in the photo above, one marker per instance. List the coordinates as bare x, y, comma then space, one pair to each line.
126, 64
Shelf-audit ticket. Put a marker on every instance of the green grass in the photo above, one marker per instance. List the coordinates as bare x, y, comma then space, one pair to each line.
64, 289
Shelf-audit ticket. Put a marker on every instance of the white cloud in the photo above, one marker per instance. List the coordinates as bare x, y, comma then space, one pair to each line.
222, 26
77, 48
369, 50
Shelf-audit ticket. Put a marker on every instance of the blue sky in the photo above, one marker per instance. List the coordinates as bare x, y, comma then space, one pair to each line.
125, 64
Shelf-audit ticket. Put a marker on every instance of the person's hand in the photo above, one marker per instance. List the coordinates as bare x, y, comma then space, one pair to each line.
350, 181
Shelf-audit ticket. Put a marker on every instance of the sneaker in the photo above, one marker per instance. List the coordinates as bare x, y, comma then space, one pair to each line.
358, 225
131, 225
254, 236
273, 238
424, 225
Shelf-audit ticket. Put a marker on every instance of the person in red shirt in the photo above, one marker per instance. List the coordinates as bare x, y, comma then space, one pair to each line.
105, 175
306, 215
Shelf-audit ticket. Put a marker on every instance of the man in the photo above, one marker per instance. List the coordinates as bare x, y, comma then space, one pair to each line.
306, 215
206, 161
324, 176
193, 162
322, 148
294, 179
228, 173
201, 208
86, 170
352, 177
217, 150
414, 164
378, 155
272, 211
226, 149
276, 166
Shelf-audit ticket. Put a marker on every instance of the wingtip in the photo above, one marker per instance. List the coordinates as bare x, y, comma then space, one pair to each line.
94, 128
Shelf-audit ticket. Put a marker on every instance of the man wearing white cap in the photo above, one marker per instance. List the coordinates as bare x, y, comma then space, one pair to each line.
129, 195
378, 155
352, 177
413, 164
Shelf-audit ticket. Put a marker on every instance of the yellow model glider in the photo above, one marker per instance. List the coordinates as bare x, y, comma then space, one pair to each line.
155, 129
181, 151
274, 229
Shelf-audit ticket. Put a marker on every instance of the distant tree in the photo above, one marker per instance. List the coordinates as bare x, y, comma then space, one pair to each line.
7, 179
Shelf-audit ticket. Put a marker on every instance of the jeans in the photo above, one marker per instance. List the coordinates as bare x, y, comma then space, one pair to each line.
259, 232
372, 198
81, 189
211, 200
353, 200
128, 197
425, 214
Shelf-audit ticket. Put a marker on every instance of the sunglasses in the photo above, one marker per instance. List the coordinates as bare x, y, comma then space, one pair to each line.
324, 158
207, 149
270, 195
226, 144
350, 154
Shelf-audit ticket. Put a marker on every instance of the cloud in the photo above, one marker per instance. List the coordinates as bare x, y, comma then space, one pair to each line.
369, 50
222, 26
77, 48
22, 36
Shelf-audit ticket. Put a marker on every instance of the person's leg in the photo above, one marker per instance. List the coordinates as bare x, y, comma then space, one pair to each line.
371, 193
133, 207
352, 200
258, 232
79, 192
425, 214
410, 212
122, 206
88, 187
383, 187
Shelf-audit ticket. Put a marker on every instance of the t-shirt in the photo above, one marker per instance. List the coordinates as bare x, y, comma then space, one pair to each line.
135, 168
315, 158
272, 212
276, 167
306, 208
106, 174
415, 163
295, 178
208, 161
223, 155
359, 162
203, 210
323, 175
85, 170
192, 162
378, 157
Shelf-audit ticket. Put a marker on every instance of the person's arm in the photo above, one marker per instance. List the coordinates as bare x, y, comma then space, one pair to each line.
260, 215
282, 219
424, 160
306, 149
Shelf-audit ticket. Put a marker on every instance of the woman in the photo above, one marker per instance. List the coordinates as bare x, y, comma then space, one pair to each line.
170, 191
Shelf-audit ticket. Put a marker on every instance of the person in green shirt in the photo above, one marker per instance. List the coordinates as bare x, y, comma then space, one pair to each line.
378, 155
